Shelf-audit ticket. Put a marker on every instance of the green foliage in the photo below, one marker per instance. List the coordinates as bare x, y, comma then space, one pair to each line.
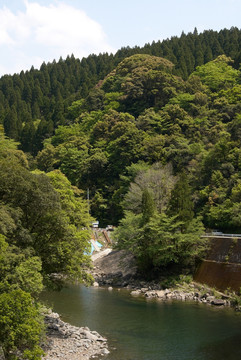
167, 244
184, 100
218, 74
28, 275
176, 280
158, 180
162, 236
143, 81
127, 232
19, 269
61, 90
75, 109
154, 150
120, 126
72, 203
159, 118
21, 327
147, 206
41, 232
180, 203
43, 216
161, 242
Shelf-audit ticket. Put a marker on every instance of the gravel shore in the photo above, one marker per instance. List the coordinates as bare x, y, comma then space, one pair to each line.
68, 342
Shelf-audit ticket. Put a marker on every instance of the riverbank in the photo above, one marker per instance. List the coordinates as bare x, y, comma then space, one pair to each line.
118, 269
68, 342
139, 328
186, 292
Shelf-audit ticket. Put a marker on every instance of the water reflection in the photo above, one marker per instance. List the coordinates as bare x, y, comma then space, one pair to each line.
151, 330
229, 349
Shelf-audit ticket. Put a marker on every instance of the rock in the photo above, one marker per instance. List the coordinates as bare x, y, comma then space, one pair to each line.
54, 315
160, 293
116, 264
71, 342
188, 296
91, 336
182, 296
110, 288
105, 352
102, 339
218, 302
96, 284
150, 294
210, 298
136, 292
143, 290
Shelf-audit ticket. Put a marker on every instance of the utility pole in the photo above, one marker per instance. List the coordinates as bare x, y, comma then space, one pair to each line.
88, 199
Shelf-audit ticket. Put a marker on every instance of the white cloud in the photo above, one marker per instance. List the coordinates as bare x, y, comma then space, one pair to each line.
6, 19
42, 33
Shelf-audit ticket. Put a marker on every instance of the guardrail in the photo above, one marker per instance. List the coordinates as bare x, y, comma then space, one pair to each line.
222, 235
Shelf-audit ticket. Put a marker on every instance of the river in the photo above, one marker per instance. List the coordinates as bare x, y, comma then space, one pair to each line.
141, 329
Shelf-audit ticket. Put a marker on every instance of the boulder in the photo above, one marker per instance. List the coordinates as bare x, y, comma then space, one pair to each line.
135, 292
144, 289
210, 298
218, 302
105, 351
161, 293
150, 294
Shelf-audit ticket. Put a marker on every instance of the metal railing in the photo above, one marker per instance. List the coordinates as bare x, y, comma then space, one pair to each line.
219, 234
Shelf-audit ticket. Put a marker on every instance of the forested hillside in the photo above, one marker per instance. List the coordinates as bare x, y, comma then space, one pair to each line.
35, 102
142, 116
105, 119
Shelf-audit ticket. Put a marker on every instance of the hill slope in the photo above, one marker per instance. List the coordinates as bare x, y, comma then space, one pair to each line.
35, 102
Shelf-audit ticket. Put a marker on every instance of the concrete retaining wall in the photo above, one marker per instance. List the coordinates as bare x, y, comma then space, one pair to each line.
222, 267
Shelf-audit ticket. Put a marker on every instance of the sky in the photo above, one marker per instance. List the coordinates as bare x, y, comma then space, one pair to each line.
37, 31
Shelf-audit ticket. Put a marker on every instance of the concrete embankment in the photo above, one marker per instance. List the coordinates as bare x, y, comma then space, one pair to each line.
222, 267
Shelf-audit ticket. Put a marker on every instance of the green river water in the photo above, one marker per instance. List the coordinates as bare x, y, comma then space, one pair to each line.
140, 329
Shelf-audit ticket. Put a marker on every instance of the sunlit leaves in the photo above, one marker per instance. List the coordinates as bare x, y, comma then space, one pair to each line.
21, 326
218, 74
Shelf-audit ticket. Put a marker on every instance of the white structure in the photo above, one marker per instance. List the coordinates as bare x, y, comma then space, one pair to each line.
95, 224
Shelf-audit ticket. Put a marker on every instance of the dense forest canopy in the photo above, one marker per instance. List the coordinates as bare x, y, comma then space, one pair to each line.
35, 102
142, 113
152, 133
170, 102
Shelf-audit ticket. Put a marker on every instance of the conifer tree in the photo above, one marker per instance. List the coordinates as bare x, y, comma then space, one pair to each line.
11, 124
181, 203
27, 137
148, 206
